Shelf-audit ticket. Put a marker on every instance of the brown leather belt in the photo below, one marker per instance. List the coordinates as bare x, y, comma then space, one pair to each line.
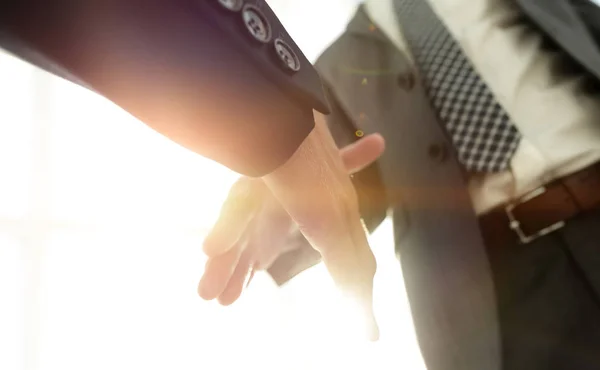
543, 210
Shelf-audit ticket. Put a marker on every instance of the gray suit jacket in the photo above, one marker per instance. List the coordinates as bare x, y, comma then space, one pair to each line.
372, 88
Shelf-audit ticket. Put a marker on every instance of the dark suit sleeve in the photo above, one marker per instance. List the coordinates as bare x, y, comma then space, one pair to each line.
369, 188
190, 69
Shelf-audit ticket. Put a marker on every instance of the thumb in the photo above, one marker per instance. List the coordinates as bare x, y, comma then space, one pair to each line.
362, 153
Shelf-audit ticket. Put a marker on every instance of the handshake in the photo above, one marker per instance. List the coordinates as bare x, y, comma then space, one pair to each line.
261, 217
210, 76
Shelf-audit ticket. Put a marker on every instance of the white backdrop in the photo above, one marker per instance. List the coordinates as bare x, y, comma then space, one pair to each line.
101, 222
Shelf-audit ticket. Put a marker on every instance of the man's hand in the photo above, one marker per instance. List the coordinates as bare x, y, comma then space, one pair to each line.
253, 228
315, 189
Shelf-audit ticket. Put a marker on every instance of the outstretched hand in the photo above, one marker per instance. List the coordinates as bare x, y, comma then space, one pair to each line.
315, 190
252, 228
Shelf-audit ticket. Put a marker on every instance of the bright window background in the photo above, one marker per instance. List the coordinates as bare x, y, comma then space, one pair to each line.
101, 222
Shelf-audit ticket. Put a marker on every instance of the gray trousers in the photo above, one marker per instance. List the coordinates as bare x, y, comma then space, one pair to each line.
549, 298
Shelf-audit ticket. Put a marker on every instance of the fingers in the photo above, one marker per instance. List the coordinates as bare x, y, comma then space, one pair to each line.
239, 279
226, 277
243, 201
314, 187
362, 153
248, 214
218, 272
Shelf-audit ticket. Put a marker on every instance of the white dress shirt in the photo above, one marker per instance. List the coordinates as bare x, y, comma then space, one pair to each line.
560, 124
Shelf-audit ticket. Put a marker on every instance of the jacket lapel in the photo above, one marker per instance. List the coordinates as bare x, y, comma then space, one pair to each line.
444, 265
367, 72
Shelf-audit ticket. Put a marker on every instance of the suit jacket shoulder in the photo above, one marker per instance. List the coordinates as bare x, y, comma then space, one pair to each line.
573, 25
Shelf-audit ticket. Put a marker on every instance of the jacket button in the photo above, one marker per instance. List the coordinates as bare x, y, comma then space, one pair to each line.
256, 23
438, 152
233, 5
287, 56
406, 81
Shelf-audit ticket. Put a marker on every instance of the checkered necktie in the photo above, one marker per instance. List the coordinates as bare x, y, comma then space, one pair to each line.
482, 133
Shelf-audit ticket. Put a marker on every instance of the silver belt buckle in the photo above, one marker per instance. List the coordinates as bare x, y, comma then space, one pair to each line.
516, 224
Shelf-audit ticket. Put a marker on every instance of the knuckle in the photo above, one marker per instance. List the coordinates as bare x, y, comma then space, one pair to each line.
370, 264
240, 188
244, 193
